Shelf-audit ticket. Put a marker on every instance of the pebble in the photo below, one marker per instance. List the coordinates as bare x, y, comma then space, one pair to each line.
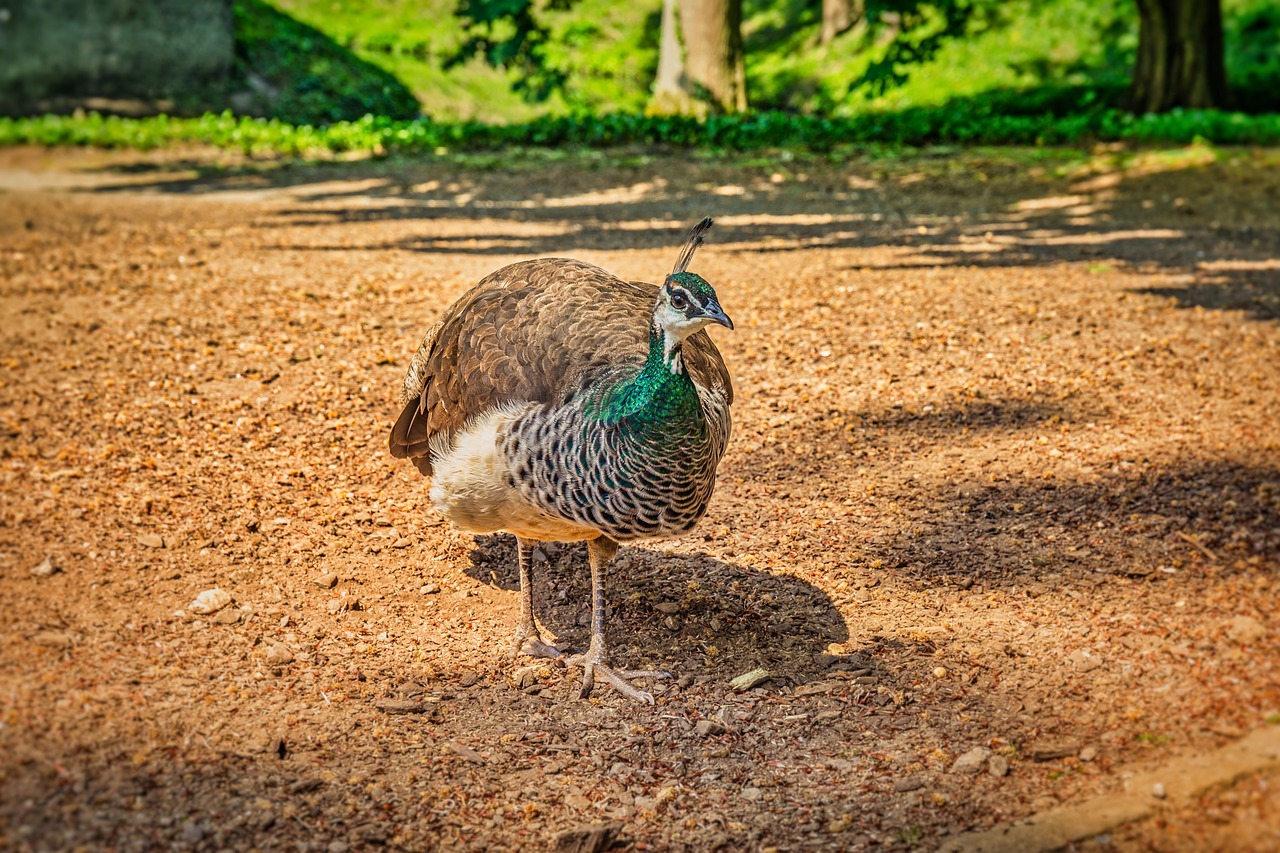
972, 761
1245, 630
706, 728
668, 607
752, 795
1083, 661
525, 677
1157, 791
908, 783
841, 824
748, 680
338, 605
998, 765
400, 706
53, 639
45, 569
192, 833
1088, 753
429, 588
210, 601
278, 655
328, 580
465, 751
152, 540
1050, 751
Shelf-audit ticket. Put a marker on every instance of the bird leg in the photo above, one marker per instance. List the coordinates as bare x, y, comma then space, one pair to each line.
596, 660
528, 638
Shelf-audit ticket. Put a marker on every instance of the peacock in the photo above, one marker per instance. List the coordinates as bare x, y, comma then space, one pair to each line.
557, 402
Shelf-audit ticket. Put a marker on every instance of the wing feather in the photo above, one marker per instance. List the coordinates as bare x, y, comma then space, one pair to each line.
533, 331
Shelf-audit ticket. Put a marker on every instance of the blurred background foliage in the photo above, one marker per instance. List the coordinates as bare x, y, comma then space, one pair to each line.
598, 56
420, 75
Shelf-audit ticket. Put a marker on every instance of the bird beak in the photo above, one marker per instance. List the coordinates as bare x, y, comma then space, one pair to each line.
713, 312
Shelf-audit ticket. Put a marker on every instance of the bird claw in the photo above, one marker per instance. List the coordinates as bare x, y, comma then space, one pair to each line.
530, 643
536, 648
617, 679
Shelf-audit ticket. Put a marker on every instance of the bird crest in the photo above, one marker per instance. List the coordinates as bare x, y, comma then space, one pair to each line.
696, 236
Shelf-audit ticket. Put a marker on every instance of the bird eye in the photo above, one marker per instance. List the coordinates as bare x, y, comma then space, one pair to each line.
679, 301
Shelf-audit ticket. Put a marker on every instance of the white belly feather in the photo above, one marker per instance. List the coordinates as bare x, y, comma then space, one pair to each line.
471, 486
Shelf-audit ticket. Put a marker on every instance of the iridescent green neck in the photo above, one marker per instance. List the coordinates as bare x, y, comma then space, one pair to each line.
661, 393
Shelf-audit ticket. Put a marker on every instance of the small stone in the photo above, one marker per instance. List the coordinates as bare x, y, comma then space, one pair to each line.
53, 639
939, 672
338, 846
998, 765
706, 728
1050, 751
429, 588
210, 601
226, 617
841, 824
668, 607
328, 580
748, 680
153, 540
1157, 791
908, 783
972, 761
752, 795
465, 751
278, 655
595, 838
1088, 753
339, 605
400, 706
525, 677
192, 833
45, 569
1084, 661
1245, 630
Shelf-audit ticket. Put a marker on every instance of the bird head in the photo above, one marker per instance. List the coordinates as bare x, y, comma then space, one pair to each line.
687, 304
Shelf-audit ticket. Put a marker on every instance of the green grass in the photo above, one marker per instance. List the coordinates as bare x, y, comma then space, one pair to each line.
378, 136
301, 75
1015, 50
607, 49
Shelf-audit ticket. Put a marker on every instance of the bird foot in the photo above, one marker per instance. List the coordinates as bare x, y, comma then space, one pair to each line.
529, 642
593, 665
535, 648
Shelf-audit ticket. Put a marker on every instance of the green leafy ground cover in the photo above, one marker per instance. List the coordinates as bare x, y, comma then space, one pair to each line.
607, 53
375, 136
349, 77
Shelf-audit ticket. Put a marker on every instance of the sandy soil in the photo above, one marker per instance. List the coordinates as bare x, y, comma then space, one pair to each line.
1000, 516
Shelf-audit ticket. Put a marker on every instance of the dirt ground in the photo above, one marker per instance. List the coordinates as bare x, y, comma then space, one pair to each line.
1000, 516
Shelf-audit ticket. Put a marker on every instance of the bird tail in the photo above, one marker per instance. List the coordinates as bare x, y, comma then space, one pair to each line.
696, 236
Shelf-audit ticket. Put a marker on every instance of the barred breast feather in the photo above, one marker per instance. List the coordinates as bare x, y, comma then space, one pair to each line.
502, 401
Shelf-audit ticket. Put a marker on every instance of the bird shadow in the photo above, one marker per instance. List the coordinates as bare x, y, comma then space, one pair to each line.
688, 613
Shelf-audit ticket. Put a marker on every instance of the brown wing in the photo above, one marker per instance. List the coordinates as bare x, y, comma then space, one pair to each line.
530, 332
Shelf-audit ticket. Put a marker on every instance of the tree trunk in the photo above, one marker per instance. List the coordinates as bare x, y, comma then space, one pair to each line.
669, 93
1180, 56
713, 41
839, 16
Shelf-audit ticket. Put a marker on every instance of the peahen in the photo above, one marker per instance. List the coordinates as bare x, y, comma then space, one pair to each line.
556, 401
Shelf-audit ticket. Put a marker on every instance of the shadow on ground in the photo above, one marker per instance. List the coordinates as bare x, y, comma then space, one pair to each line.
691, 614
1198, 218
